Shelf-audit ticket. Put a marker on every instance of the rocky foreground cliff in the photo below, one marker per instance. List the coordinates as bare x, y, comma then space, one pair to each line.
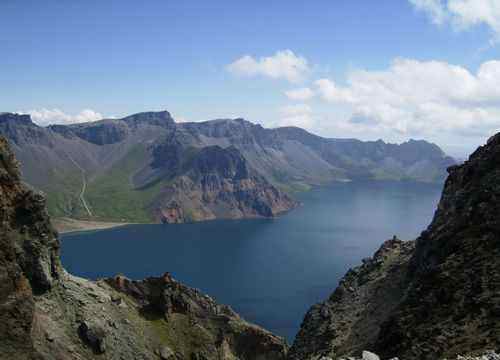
436, 297
46, 313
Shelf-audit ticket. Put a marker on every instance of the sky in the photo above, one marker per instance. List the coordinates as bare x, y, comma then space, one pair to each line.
389, 69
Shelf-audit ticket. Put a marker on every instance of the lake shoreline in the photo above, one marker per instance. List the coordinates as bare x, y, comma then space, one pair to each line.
67, 225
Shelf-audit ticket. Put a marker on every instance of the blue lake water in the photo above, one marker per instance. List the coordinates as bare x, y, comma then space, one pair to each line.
270, 271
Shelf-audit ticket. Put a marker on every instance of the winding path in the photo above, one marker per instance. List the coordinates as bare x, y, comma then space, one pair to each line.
84, 185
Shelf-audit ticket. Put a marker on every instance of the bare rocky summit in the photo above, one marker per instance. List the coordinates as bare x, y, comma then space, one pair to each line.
437, 297
46, 313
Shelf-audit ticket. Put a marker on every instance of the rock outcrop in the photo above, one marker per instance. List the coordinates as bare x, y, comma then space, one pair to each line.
437, 297
350, 320
29, 257
46, 313
216, 183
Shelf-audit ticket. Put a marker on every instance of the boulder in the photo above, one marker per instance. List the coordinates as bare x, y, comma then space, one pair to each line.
369, 356
94, 334
167, 354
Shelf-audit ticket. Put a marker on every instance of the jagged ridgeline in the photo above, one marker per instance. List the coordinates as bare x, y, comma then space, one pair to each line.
147, 168
432, 298
46, 313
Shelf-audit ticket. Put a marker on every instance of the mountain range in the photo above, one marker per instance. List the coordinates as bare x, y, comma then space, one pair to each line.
148, 168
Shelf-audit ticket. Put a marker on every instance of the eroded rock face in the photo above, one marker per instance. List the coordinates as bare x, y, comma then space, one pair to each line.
94, 333
350, 320
436, 298
45, 313
166, 299
214, 182
29, 257
452, 304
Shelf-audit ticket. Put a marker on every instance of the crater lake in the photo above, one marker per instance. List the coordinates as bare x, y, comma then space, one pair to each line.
268, 270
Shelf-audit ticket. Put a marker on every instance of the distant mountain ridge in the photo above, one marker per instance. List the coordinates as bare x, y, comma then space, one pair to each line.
146, 167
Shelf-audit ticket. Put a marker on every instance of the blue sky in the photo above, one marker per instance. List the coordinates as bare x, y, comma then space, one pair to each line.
367, 64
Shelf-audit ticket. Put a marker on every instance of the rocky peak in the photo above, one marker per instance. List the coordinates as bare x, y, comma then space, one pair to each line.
20, 129
412, 150
158, 118
16, 119
111, 131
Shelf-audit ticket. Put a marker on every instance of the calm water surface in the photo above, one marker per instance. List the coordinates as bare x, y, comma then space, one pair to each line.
270, 271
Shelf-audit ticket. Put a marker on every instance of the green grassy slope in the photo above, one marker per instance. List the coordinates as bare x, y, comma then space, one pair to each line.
112, 196
62, 193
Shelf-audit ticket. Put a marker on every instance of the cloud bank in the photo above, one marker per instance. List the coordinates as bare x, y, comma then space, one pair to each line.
421, 98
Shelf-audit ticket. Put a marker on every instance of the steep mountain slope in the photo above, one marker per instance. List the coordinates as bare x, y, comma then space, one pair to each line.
57, 159
47, 313
433, 298
213, 182
125, 169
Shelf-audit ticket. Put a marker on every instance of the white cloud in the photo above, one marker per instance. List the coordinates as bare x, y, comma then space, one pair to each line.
301, 94
45, 117
296, 115
433, 8
329, 91
415, 98
282, 65
463, 14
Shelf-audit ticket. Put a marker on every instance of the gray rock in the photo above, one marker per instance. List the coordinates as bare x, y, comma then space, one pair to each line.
94, 334
369, 356
167, 354
49, 336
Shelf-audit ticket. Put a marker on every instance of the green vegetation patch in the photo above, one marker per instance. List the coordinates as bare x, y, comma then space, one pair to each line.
112, 196
62, 200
